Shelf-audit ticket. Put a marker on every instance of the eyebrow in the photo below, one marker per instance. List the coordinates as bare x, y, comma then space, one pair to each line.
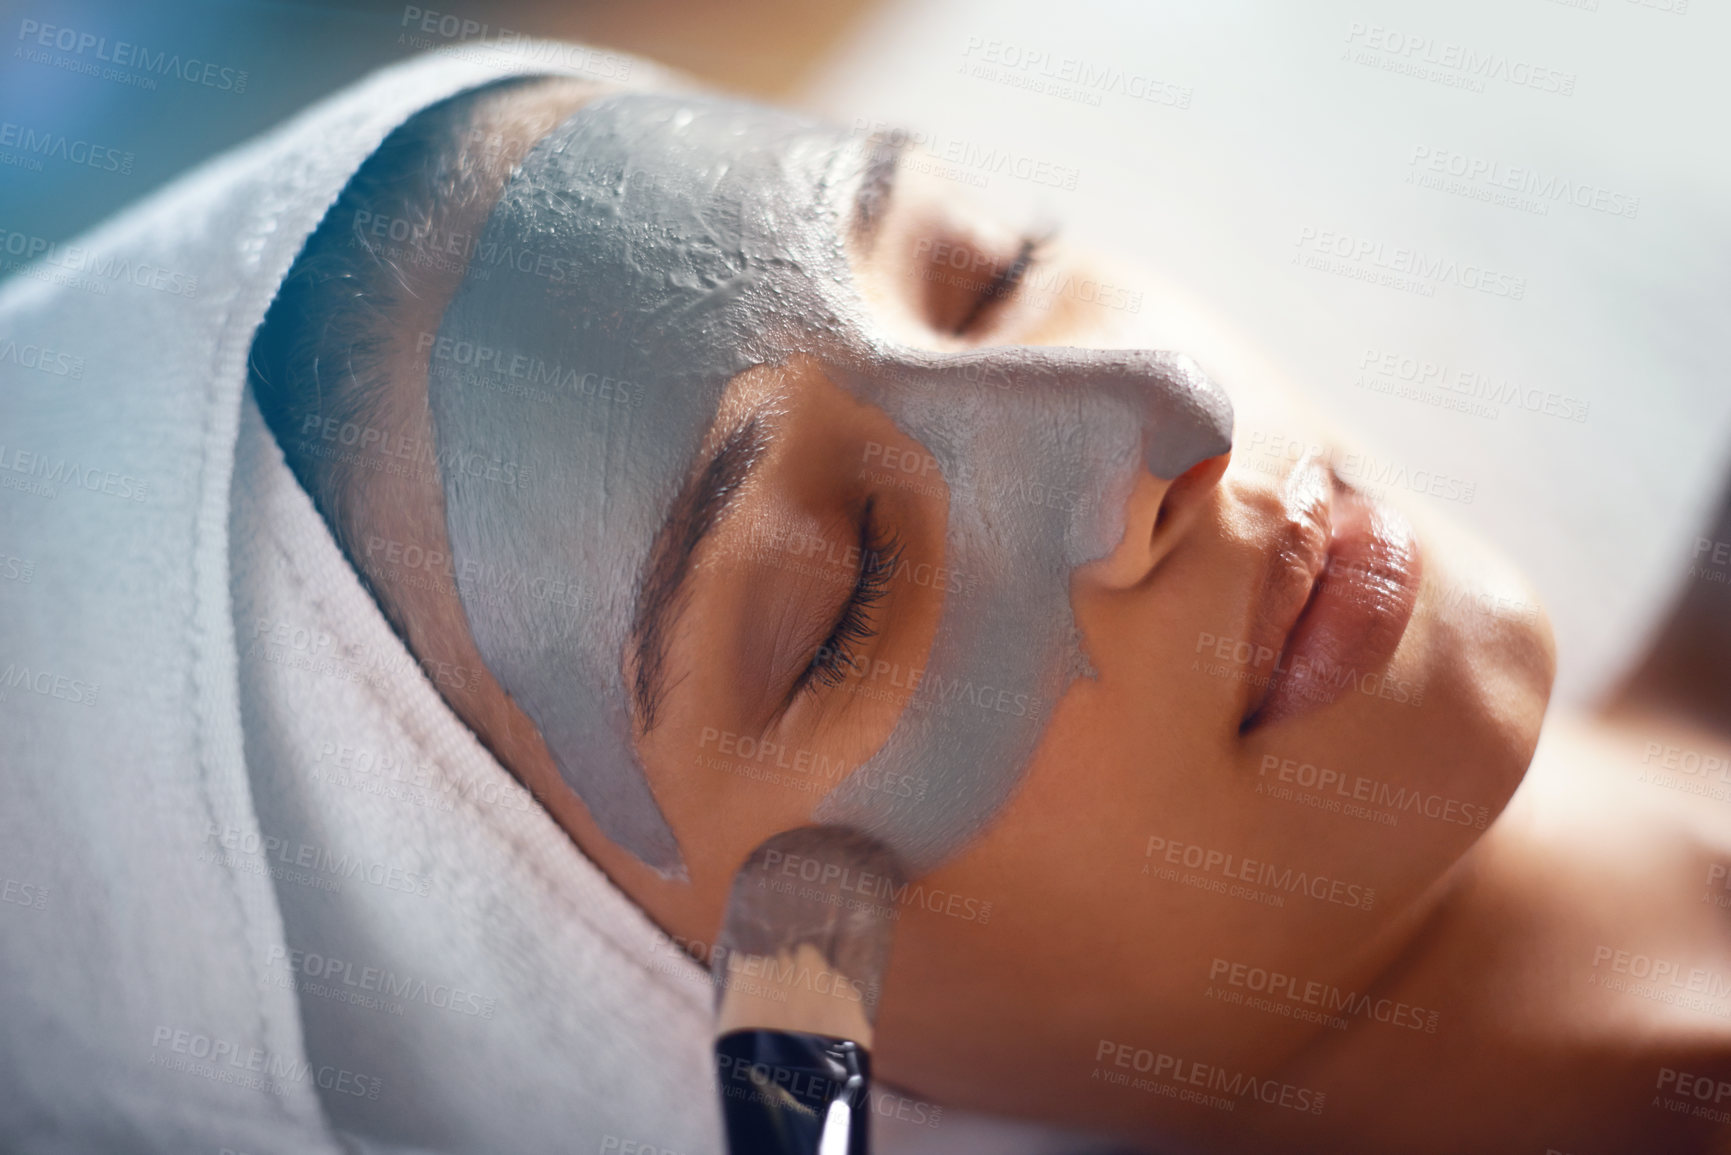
696, 511
872, 198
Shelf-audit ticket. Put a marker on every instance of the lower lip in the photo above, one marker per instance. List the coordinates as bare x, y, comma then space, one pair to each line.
1357, 612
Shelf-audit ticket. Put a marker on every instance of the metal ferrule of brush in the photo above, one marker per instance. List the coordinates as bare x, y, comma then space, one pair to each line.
798, 971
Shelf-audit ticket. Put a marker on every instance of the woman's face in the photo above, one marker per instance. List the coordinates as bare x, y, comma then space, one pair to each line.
1305, 703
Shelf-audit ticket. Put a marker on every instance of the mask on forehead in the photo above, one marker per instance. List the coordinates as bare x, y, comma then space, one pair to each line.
644, 254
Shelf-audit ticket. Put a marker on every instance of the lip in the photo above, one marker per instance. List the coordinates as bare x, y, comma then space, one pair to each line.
1340, 591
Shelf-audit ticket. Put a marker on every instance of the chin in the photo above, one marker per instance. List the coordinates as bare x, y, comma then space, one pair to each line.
1489, 658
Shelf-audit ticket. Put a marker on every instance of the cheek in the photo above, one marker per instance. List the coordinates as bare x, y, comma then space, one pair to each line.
1142, 750
1062, 865
724, 789
1146, 826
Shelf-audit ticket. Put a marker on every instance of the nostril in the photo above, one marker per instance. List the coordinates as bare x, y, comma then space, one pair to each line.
1159, 515
1191, 486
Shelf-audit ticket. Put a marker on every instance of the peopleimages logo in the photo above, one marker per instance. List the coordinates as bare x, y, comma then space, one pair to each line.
41, 358
474, 363
32, 145
382, 450
1670, 982
43, 476
35, 36
1486, 178
1310, 1000
770, 1084
221, 1060
977, 270
90, 270
320, 860
1165, 853
18, 893
381, 981
1446, 62
46, 683
970, 156
463, 37
1335, 786
1066, 77
1398, 266
809, 770
1191, 1081
1238, 659
1462, 388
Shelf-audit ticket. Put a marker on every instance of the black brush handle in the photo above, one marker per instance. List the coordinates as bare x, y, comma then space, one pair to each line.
793, 1093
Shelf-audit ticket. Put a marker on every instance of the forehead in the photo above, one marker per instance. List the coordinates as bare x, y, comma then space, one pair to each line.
728, 172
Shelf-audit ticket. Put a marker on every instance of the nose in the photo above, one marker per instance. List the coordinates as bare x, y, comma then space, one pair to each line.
1145, 431
1186, 445
1158, 515
1186, 419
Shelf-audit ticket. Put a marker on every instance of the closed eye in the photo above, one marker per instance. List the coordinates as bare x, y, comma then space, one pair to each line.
854, 625
966, 281
1003, 286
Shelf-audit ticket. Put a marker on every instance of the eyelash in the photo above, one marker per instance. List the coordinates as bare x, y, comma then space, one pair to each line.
879, 555
1005, 284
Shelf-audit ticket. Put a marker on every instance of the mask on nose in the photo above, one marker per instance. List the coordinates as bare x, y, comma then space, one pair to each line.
645, 253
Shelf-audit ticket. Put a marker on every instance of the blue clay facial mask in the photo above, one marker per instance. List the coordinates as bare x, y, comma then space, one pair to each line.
644, 254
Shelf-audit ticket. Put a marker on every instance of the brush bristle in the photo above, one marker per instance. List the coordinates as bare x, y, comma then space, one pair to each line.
826, 894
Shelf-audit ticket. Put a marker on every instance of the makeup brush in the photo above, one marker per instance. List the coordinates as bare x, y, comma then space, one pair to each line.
798, 969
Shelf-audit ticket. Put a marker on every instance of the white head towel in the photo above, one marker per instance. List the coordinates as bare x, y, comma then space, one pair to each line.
260, 890
500, 994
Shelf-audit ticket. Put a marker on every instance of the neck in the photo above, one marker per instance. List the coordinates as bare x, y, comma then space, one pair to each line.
1544, 1035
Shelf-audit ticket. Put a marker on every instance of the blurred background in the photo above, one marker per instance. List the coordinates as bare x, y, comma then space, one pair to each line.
1488, 236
